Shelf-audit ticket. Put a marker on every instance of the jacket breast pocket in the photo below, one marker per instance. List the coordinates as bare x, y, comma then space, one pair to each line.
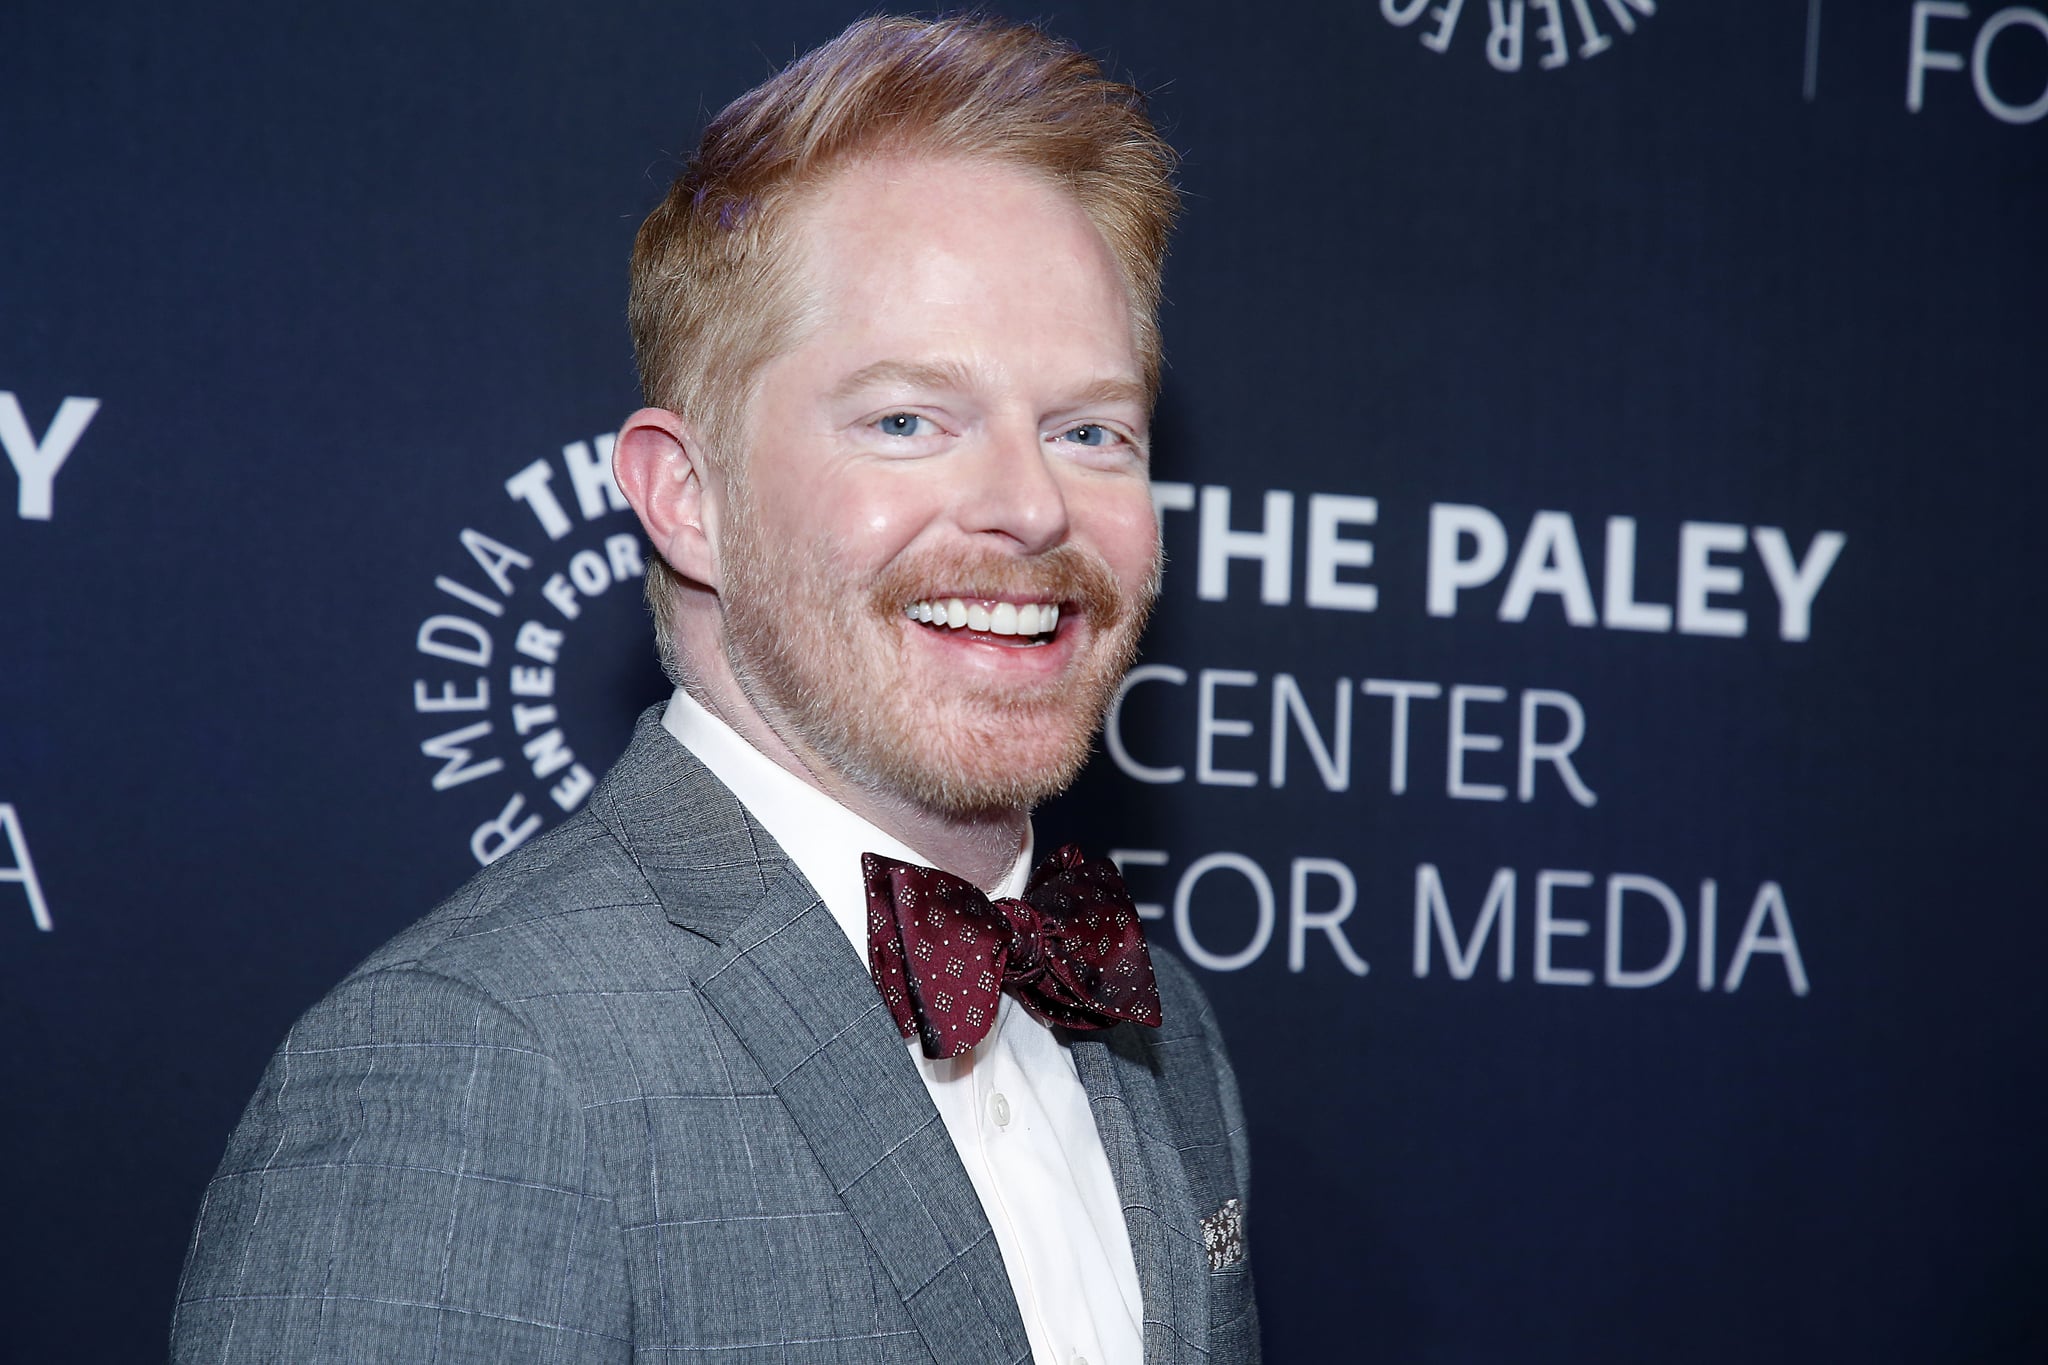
1233, 1319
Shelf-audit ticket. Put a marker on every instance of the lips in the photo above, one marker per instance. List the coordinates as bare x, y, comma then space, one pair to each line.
988, 615
1046, 605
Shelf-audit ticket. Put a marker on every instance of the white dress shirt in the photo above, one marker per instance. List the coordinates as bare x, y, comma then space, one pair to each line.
1013, 1105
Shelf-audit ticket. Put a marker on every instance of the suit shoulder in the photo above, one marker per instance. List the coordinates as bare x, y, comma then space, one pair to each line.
523, 917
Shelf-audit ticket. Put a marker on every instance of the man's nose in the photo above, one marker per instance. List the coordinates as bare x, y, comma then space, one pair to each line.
1012, 490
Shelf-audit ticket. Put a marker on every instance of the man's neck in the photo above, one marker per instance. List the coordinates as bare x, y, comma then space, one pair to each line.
982, 848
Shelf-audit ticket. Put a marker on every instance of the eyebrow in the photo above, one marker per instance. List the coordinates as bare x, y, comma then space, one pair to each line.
910, 374
950, 375
1111, 391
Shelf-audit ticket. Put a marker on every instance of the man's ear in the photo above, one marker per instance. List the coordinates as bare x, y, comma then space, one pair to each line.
660, 466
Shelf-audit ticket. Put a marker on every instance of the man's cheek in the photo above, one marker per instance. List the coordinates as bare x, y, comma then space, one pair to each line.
869, 531
1135, 555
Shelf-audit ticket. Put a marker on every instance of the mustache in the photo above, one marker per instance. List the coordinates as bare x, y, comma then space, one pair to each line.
1075, 578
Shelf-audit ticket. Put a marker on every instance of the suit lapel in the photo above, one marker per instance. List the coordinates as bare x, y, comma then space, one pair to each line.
711, 867
1118, 1069
786, 981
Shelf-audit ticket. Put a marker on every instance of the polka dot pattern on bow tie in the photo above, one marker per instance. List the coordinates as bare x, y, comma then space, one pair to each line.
1071, 950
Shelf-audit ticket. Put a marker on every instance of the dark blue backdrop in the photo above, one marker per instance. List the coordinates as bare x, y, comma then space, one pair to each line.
1725, 277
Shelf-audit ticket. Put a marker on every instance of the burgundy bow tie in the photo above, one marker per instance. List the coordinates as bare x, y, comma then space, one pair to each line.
942, 953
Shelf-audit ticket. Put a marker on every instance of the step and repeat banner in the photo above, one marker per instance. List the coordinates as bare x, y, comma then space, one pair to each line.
1590, 743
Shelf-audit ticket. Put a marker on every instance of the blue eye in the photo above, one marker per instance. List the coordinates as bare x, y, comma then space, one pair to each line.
902, 424
1088, 434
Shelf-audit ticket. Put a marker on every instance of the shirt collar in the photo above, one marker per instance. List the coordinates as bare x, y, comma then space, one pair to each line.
823, 838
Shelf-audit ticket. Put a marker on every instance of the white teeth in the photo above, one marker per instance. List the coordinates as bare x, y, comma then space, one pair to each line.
1004, 618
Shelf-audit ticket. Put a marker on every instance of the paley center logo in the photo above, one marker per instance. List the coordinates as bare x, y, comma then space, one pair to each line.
514, 655
1554, 32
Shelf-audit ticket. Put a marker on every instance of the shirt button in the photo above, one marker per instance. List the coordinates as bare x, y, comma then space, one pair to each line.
1080, 1360
999, 1114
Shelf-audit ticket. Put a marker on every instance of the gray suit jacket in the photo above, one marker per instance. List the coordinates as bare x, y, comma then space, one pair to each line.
629, 1093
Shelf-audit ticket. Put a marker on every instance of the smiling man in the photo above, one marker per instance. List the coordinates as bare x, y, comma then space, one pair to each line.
791, 1047
919, 584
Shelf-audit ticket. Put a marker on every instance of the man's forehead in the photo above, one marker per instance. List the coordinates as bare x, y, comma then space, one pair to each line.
934, 212
924, 275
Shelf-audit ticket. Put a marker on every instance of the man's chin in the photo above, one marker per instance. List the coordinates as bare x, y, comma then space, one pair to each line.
978, 796
956, 743
977, 770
